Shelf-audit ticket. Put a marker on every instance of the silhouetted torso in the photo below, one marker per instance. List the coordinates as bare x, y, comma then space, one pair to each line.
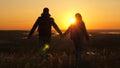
44, 24
44, 28
78, 31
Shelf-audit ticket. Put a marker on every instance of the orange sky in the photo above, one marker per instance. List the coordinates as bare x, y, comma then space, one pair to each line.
97, 14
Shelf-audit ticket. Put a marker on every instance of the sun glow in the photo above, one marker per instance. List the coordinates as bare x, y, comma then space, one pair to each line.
72, 20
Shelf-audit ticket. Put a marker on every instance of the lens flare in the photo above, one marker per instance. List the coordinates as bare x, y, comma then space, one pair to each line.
46, 47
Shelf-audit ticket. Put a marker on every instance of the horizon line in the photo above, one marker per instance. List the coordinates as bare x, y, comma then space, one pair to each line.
52, 29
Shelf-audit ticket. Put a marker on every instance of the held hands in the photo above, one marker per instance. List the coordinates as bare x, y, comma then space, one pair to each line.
62, 35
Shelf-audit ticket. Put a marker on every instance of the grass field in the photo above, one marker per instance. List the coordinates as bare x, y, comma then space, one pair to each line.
16, 51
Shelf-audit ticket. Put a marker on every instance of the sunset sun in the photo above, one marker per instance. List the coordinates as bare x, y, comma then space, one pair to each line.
72, 20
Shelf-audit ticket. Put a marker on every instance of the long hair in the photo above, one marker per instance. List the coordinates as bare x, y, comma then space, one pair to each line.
78, 17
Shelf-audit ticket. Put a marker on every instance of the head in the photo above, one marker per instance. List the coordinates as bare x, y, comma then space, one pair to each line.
45, 12
78, 17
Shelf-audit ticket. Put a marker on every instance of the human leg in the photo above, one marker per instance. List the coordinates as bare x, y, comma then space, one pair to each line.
78, 53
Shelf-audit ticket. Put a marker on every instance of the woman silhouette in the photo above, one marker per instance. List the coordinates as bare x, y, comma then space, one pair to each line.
79, 35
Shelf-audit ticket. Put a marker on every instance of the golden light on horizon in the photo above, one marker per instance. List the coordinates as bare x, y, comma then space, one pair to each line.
21, 14
72, 20
67, 19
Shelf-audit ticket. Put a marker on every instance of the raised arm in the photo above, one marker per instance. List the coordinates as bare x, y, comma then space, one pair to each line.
33, 28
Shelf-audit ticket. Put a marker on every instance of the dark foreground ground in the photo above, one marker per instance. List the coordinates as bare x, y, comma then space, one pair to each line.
16, 51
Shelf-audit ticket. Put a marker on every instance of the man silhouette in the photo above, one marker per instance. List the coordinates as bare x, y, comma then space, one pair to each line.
44, 23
